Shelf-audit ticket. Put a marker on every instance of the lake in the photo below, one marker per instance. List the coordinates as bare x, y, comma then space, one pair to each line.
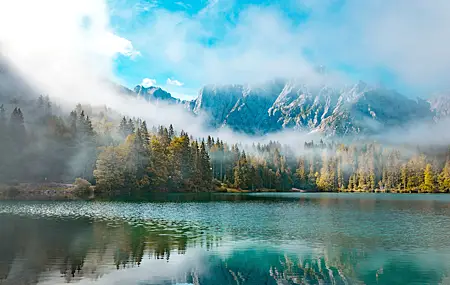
261, 238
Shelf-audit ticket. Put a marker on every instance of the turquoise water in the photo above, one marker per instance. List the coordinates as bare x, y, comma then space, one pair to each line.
300, 238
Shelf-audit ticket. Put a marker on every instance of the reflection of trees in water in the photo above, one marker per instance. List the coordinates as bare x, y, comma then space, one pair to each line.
28, 245
84, 248
254, 267
31, 249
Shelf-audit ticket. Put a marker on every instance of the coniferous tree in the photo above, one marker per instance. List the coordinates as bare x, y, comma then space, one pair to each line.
130, 127
171, 131
242, 173
123, 127
205, 167
145, 137
429, 183
444, 178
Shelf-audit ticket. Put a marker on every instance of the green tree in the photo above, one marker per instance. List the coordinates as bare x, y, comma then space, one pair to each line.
206, 169
444, 178
242, 173
429, 181
110, 169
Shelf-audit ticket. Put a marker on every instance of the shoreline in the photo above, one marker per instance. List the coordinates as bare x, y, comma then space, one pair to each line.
53, 191
50, 191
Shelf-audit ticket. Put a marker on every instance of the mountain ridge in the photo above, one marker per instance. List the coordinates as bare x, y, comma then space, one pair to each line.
279, 104
290, 104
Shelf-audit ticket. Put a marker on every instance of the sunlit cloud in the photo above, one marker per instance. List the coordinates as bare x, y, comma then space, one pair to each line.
174, 82
148, 82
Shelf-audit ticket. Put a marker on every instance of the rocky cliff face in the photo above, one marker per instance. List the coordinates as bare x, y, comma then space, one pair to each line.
154, 93
280, 105
440, 104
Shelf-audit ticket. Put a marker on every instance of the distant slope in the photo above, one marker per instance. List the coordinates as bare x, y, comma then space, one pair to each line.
12, 87
440, 104
357, 109
277, 105
153, 93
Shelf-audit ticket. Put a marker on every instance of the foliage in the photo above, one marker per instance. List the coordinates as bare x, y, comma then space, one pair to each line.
83, 188
122, 156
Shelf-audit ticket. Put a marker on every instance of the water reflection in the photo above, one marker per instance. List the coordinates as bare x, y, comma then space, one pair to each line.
40, 251
308, 240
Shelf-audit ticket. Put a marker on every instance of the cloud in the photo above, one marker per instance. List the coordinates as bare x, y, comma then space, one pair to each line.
183, 5
62, 54
63, 47
418, 134
115, 44
406, 37
66, 49
174, 82
147, 82
145, 5
228, 43
209, 6
256, 44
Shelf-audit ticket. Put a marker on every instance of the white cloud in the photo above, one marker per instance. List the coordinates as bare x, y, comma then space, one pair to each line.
259, 45
183, 5
174, 82
60, 57
406, 37
73, 63
145, 6
148, 82
115, 44
209, 6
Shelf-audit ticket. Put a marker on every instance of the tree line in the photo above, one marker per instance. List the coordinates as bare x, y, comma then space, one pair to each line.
364, 167
122, 156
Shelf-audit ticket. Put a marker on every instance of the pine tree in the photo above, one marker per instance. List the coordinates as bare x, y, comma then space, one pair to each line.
171, 131
312, 174
88, 126
130, 127
17, 129
206, 167
242, 173
327, 175
277, 182
160, 163
73, 123
429, 184
81, 123
351, 183
444, 178
301, 173
404, 178
340, 175
123, 128
145, 137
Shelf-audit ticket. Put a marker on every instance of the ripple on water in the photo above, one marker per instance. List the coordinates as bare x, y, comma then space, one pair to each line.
370, 239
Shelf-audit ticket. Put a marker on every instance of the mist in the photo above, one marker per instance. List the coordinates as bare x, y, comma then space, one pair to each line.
70, 56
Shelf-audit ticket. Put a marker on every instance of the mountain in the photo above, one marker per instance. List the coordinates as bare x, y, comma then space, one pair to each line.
154, 93
12, 86
440, 104
277, 105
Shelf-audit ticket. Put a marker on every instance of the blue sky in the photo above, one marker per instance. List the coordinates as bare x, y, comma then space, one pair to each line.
183, 45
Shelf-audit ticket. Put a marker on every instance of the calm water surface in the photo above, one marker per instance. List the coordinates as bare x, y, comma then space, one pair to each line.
229, 239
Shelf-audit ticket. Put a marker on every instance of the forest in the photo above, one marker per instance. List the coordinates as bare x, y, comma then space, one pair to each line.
124, 156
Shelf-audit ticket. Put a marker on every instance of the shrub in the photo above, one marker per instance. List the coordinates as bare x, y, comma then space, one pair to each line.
12, 192
82, 187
